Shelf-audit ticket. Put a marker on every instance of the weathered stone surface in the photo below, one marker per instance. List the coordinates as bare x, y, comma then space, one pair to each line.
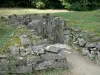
23, 53
37, 56
33, 59
55, 48
14, 50
98, 55
94, 52
92, 56
67, 32
24, 40
98, 46
52, 48
21, 61
22, 69
3, 69
90, 45
81, 42
93, 49
85, 51
3, 56
59, 64
38, 49
51, 56
96, 39
67, 39
28, 50
3, 62
34, 23
44, 65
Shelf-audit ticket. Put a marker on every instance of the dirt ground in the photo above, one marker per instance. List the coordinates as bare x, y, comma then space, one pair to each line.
80, 65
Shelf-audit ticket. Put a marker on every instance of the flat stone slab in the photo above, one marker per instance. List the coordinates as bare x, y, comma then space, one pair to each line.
32, 59
52, 56
55, 48
38, 49
91, 45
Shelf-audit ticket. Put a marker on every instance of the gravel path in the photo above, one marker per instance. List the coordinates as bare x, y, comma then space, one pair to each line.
80, 65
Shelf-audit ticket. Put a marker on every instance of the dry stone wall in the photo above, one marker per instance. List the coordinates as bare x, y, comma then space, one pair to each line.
54, 29
22, 60
30, 56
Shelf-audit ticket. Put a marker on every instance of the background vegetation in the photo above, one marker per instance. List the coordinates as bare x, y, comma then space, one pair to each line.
79, 5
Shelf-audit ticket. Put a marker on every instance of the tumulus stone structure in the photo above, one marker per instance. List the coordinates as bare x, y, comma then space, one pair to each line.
46, 53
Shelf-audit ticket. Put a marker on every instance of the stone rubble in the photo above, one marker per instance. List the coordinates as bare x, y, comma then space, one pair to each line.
45, 53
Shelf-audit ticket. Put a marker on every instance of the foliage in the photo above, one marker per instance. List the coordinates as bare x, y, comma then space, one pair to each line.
65, 4
79, 5
86, 20
40, 5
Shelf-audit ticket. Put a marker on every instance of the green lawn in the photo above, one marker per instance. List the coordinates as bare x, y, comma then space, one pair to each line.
87, 20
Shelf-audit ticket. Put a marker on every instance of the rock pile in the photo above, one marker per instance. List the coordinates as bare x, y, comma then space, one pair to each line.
86, 43
47, 25
55, 29
30, 57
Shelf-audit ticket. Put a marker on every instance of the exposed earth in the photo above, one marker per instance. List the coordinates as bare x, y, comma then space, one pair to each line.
80, 65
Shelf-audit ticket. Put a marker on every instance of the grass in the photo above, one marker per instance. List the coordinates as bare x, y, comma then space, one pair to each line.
86, 20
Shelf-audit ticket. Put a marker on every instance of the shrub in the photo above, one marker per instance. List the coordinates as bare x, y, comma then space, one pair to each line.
65, 4
79, 6
39, 5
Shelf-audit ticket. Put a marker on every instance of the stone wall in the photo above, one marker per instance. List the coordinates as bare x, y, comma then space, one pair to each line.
87, 43
29, 56
46, 25
54, 29
25, 59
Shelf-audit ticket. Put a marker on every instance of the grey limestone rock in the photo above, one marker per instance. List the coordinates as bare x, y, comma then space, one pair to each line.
85, 51
90, 45
24, 40
39, 49
81, 42
32, 59
14, 50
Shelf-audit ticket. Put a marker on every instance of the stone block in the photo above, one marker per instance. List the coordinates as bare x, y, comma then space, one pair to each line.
24, 40
44, 65
90, 45
38, 49
32, 59
85, 51
62, 63
51, 56
14, 50
22, 69
81, 42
